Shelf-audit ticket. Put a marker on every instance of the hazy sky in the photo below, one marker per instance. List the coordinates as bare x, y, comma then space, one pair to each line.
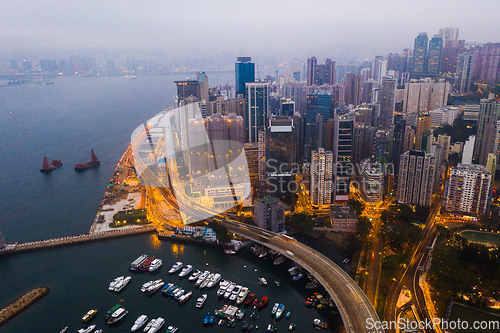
347, 29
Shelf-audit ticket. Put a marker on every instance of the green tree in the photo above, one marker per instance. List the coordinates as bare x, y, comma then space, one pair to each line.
221, 232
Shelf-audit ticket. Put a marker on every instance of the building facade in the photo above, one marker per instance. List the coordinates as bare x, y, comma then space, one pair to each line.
468, 189
269, 214
416, 178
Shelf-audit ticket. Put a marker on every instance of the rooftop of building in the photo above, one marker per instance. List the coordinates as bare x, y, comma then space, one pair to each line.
342, 212
471, 167
270, 200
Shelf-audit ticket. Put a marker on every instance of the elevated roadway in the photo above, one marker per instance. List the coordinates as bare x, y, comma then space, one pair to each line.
355, 309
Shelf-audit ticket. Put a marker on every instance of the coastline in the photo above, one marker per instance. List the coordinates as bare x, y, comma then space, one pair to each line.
21, 304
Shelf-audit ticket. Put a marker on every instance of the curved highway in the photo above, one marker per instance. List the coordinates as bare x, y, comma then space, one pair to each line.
356, 311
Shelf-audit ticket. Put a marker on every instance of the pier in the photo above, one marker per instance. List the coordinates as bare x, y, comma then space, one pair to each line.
21, 304
72, 240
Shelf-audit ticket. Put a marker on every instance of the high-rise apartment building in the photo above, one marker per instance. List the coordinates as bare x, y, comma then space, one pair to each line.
416, 178
379, 69
386, 100
420, 55
188, 88
489, 112
434, 55
269, 214
486, 63
321, 188
320, 74
353, 89
257, 109
424, 122
463, 73
397, 143
468, 189
373, 182
244, 71
424, 95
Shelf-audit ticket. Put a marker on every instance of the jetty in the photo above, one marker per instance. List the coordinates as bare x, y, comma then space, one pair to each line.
72, 240
21, 304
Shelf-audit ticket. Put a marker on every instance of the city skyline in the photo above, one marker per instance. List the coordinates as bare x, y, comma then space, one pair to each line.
272, 29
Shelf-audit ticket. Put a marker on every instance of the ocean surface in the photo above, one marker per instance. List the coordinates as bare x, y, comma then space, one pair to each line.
65, 121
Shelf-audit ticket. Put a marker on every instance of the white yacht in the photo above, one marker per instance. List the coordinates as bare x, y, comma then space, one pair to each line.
175, 267
139, 322
214, 280
229, 290
87, 330
120, 285
206, 281
157, 325
202, 277
155, 264
222, 287
235, 293
201, 300
195, 275
186, 270
113, 283
242, 295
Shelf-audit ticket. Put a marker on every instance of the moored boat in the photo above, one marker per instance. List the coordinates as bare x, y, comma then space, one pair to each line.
202, 277
242, 295
262, 281
175, 267
137, 262
249, 299
235, 293
87, 330
275, 308
280, 310
214, 280
195, 275
120, 285
155, 264
49, 166
157, 325
186, 270
263, 302
206, 281
201, 300
229, 290
154, 287
89, 315
183, 299
139, 322
320, 324
115, 282
117, 315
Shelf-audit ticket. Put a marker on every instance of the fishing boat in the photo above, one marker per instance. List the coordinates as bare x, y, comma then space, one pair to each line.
117, 315
89, 315
249, 299
263, 302
321, 324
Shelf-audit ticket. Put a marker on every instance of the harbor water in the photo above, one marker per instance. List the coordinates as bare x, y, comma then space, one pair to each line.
65, 121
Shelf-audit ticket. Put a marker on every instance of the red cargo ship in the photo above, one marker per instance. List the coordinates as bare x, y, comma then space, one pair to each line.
48, 167
94, 162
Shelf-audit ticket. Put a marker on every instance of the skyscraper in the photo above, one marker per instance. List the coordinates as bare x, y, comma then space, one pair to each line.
434, 55
486, 63
420, 55
397, 144
321, 185
244, 71
423, 126
186, 89
320, 74
353, 89
257, 109
463, 73
282, 155
387, 102
343, 133
489, 111
379, 68
416, 178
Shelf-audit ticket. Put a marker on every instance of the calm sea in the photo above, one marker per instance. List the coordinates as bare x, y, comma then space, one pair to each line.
65, 121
